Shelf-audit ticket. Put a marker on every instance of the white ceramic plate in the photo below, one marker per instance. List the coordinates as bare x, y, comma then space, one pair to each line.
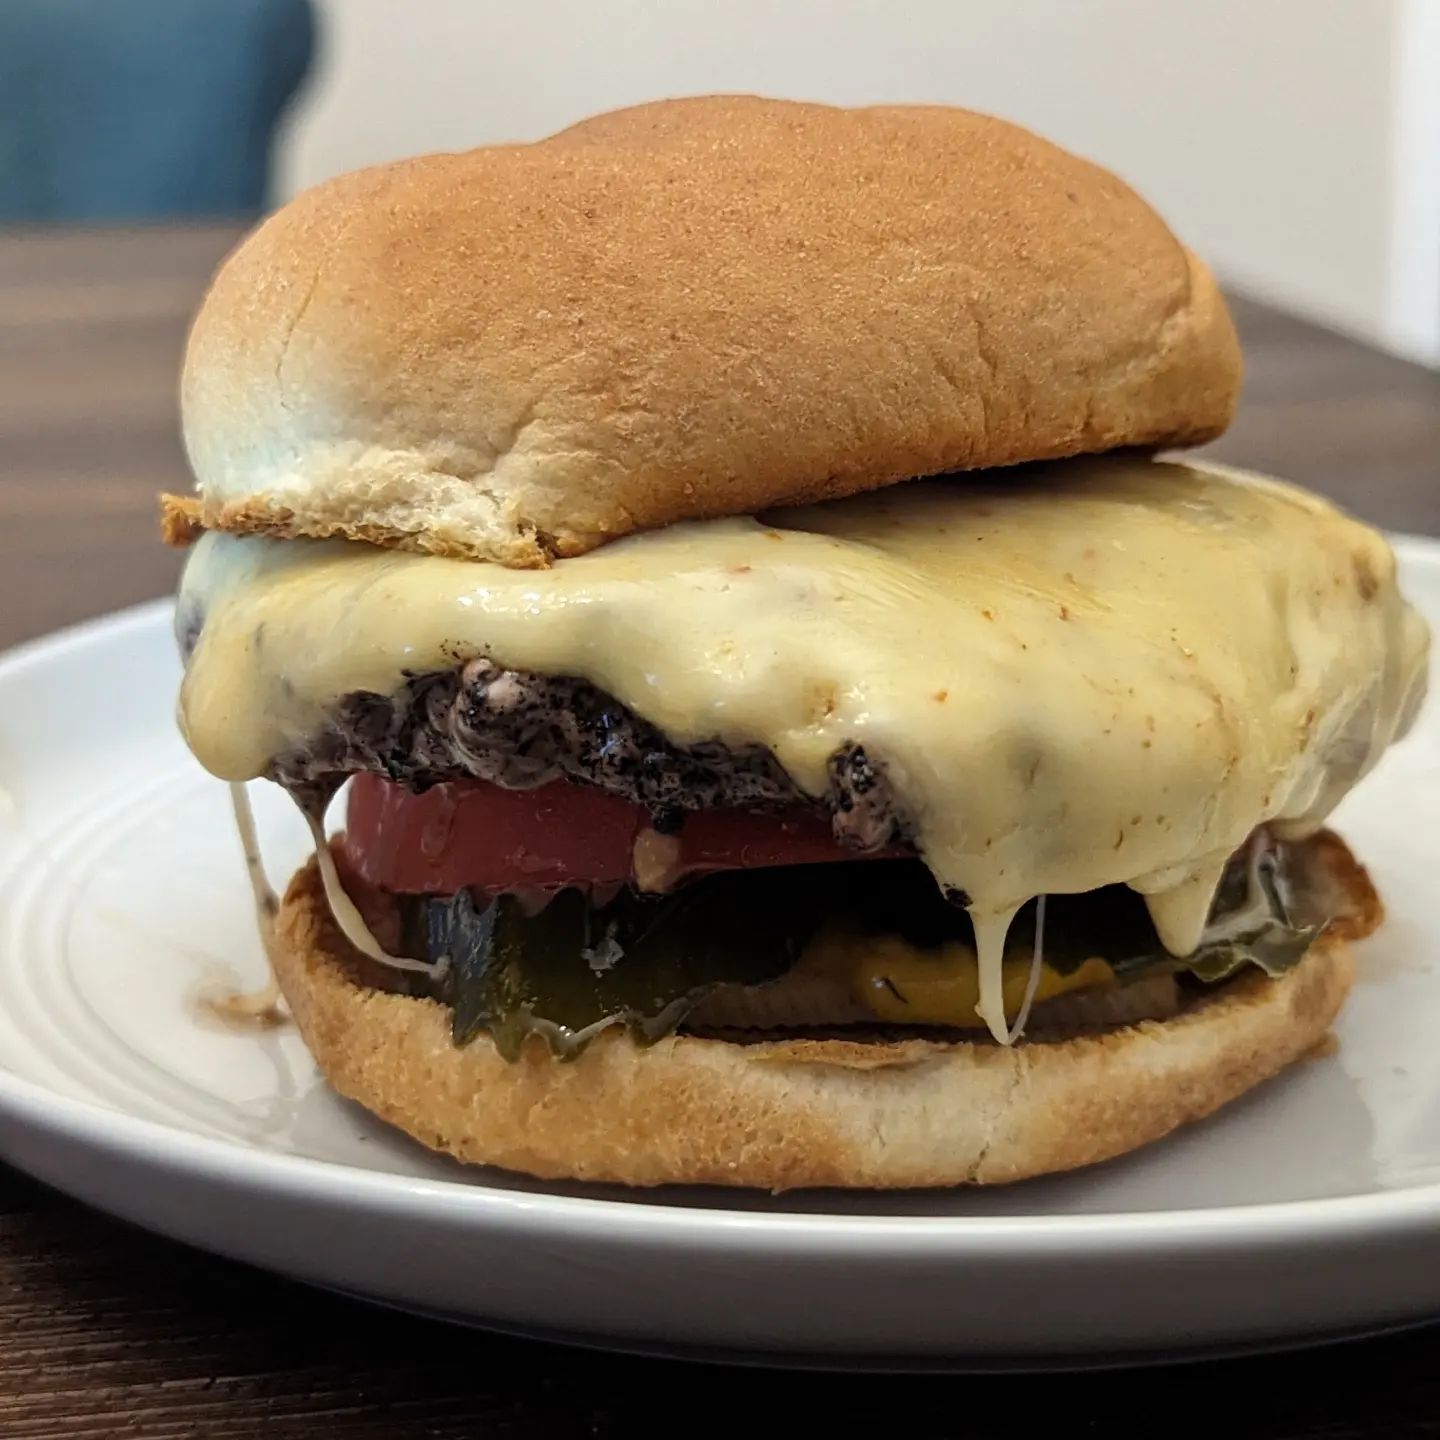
1309, 1209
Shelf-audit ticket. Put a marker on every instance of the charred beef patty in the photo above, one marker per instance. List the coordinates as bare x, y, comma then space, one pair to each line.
519, 729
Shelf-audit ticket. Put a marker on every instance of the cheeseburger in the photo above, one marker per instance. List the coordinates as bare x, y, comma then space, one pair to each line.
793, 733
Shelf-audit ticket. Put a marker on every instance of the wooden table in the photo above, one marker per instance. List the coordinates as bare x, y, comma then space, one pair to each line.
107, 1331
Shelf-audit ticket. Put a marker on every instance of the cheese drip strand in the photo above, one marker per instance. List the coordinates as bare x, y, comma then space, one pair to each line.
1032, 981
262, 1004
348, 917
267, 903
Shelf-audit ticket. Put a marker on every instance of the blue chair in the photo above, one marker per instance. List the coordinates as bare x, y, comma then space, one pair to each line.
115, 110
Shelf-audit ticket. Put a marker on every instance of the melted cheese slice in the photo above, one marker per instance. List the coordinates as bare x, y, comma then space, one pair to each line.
1099, 672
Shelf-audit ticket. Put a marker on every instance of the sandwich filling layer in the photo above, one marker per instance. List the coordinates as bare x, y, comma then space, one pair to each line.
818, 948
1107, 673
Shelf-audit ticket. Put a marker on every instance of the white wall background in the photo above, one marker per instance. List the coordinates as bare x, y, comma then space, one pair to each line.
1295, 143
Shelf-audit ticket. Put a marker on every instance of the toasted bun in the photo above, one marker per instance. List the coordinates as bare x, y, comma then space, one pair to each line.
690, 308
779, 1114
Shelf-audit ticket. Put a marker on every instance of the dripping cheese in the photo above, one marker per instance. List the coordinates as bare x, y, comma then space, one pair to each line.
1107, 671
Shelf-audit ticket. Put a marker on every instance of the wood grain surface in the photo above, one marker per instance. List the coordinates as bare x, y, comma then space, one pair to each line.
106, 1331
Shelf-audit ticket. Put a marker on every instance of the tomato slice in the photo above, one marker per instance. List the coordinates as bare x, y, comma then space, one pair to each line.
471, 833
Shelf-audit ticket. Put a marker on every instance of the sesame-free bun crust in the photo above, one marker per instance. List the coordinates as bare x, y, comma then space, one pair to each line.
686, 309
785, 1113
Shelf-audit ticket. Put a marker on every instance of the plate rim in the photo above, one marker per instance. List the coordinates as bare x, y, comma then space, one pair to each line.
225, 1161
53, 643
221, 1160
